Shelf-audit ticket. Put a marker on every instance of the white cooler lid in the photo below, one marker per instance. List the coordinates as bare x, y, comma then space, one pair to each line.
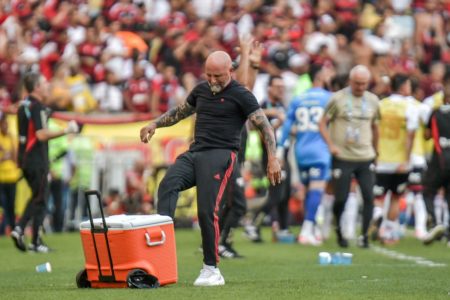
124, 222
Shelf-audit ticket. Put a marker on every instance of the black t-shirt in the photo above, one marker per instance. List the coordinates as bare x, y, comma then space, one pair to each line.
440, 128
31, 117
220, 117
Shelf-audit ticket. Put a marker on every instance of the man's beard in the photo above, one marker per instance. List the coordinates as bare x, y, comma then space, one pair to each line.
215, 88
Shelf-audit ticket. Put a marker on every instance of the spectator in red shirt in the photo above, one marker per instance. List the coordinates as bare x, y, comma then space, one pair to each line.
137, 90
432, 82
164, 89
137, 199
90, 52
5, 98
9, 69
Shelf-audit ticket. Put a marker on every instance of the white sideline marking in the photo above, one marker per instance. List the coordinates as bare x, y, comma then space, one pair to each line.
400, 256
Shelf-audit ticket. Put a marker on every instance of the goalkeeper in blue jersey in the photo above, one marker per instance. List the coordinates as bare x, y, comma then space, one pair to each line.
311, 151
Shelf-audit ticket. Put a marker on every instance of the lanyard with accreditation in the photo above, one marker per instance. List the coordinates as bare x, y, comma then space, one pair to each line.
352, 134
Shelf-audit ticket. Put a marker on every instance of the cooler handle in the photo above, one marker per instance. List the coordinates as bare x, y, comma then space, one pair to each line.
150, 243
104, 230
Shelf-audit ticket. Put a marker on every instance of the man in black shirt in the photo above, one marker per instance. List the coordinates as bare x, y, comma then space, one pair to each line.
438, 171
222, 106
33, 158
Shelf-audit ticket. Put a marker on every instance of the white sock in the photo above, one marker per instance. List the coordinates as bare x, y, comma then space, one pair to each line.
377, 212
327, 204
420, 214
350, 216
320, 214
307, 228
438, 208
445, 215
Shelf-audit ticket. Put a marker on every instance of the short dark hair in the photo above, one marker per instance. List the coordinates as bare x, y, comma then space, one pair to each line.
398, 80
31, 80
272, 78
314, 70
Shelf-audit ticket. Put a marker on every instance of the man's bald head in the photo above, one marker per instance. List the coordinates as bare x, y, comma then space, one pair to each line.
218, 59
359, 80
218, 70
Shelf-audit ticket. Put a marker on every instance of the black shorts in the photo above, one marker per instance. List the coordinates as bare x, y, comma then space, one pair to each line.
396, 183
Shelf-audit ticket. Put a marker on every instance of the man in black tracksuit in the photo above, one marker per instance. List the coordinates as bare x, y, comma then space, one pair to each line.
33, 158
437, 175
222, 106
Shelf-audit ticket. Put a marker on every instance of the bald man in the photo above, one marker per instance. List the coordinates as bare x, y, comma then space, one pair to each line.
349, 127
222, 106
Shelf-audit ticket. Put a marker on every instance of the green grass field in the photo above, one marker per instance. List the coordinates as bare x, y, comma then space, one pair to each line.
268, 271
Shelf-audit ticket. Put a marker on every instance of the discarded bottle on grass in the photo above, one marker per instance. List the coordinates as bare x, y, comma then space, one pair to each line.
337, 258
346, 258
324, 258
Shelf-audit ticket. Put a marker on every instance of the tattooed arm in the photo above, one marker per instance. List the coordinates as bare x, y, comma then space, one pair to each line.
167, 119
260, 121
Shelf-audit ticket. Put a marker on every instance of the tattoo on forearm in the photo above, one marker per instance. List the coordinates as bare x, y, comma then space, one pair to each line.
260, 121
174, 115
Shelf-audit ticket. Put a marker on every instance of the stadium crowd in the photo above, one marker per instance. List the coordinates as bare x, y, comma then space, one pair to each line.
145, 56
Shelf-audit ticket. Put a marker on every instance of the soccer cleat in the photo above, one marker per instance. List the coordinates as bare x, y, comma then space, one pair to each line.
209, 276
39, 247
19, 238
252, 233
308, 240
342, 242
227, 251
436, 233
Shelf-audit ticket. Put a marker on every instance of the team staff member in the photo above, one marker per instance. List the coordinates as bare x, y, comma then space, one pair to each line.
33, 157
352, 138
222, 106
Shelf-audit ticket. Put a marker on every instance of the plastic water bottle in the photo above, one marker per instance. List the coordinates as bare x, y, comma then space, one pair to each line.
336, 258
324, 258
339, 258
346, 258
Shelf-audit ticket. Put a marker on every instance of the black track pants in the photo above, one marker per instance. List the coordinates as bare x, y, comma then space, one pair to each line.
210, 171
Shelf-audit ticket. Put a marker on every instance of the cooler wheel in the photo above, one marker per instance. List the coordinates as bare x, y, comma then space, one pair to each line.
139, 279
82, 280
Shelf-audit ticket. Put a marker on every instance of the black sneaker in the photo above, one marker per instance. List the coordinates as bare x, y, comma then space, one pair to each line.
19, 239
363, 241
226, 251
342, 242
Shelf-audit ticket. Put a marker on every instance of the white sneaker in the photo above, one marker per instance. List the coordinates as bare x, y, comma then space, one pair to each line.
209, 276
308, 240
